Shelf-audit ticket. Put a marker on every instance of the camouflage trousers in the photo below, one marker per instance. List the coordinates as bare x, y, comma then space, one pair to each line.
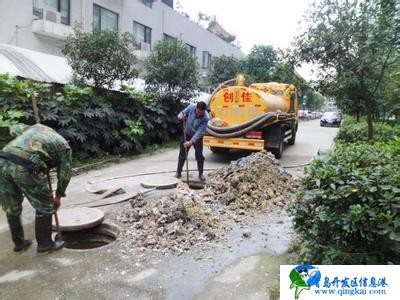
15, 182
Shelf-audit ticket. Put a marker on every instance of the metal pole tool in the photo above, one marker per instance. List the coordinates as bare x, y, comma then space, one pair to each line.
186, 150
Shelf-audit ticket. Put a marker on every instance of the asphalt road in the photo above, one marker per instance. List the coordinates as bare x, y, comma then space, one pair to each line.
233, 269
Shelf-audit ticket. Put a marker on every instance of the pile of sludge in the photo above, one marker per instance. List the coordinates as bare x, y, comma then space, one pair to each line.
253, 182
176, 223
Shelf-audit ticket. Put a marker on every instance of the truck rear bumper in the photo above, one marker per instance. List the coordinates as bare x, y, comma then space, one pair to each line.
234, 143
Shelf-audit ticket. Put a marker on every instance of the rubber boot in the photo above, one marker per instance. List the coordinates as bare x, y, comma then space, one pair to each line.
200, 168
43, 235
178, 173
17, 234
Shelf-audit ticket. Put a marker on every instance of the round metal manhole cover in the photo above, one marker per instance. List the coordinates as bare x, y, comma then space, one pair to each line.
78, 218
91, 238
160, 182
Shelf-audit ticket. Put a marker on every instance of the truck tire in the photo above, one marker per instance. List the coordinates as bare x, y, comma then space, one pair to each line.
274, 137
218, 150
278, 151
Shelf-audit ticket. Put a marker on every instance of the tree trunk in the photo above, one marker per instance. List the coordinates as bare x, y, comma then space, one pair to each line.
358, 117
370, 123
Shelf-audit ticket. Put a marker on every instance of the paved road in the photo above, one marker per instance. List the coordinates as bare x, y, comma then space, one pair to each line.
233, 269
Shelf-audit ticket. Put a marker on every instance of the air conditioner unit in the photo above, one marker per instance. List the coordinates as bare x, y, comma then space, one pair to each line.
52, 15
145, 46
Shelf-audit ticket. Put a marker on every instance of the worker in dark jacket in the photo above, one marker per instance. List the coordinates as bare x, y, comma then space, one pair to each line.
24, 164
196, 118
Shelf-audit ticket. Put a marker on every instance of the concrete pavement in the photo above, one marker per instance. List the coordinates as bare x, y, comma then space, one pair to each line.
233, 268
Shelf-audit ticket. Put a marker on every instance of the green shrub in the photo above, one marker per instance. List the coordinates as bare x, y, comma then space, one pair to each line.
172, 77
348, 207
102, 122
101, 57
352, 132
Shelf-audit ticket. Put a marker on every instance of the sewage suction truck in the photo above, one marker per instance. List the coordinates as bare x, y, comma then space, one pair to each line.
262, 116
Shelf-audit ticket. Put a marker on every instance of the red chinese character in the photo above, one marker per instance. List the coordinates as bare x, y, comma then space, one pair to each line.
228, 97
246, 97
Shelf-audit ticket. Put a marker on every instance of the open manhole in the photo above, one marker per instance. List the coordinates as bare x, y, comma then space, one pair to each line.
91, 238
196, 185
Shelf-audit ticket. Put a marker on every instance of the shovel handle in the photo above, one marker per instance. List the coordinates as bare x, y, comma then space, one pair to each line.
55, 211
186, 150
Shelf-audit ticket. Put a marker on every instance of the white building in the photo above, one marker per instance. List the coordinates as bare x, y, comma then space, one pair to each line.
42, 25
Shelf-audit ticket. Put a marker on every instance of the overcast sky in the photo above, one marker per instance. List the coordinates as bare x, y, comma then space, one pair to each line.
254, 22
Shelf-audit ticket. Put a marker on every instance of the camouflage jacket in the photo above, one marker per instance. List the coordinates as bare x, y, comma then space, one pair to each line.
45, 147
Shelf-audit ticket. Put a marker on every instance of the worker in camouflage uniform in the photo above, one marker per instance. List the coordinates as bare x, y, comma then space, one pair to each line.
24, 164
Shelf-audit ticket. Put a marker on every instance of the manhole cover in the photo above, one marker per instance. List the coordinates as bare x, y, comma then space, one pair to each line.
78, 218
160, 182
91, 238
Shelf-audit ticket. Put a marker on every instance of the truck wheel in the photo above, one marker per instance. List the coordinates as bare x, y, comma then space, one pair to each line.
278, 151
218, 150
292, 140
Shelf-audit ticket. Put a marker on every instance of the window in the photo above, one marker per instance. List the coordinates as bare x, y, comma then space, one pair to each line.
141, 34
62, 6
148, 3
191, 49
170, 3
206, 60
104, 19
168, 37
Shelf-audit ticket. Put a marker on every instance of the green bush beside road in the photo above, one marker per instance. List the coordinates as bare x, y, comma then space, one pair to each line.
103, 123
348, 206
353, 132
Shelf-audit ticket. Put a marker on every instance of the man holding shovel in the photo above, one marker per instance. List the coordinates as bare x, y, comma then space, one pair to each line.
195, 119
24, 163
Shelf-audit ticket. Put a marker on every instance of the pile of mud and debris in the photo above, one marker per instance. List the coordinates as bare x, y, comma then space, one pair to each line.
171, 223
175, 223
253, 182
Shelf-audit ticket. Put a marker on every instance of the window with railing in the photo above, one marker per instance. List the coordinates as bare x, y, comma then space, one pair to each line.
141, 36
104, 19
41, 8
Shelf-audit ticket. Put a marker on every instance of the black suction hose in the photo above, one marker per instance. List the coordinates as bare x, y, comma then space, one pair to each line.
265, 120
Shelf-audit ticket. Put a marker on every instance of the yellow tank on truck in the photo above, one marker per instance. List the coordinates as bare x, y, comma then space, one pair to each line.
260, 116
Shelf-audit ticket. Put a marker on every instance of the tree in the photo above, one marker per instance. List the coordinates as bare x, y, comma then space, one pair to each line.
391, 92
224, 68
101, 57
172, 72
354, 43
172, 76
261, 63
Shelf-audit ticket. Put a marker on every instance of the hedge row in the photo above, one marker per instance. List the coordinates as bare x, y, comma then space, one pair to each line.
352, 132
348, 206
